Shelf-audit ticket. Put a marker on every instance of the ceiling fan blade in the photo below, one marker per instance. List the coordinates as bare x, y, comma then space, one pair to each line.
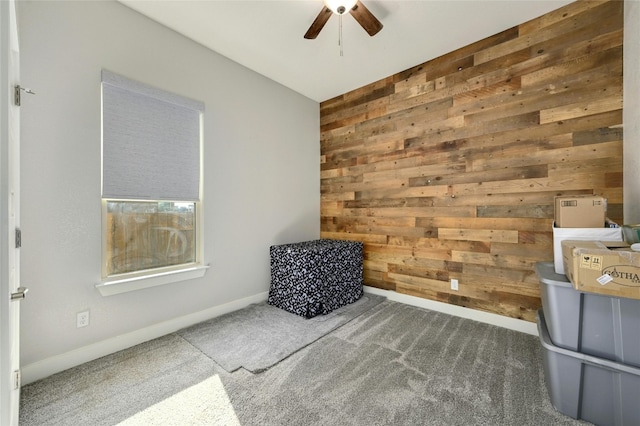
365, 18
319, 22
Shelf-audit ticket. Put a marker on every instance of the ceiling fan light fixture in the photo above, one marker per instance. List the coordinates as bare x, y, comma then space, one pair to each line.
340, 6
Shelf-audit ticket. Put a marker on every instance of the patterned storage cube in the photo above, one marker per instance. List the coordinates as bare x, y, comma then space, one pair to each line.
315, 277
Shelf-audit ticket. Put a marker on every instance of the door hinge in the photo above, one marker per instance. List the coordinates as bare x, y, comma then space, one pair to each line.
18, 238
17, 379
18, 95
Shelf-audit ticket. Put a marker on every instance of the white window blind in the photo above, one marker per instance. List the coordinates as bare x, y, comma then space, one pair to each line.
150, 142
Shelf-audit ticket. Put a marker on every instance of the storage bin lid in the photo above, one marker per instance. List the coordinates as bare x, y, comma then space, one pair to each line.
547, 275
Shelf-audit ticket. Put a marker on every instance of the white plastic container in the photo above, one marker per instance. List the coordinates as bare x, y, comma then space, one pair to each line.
582, 234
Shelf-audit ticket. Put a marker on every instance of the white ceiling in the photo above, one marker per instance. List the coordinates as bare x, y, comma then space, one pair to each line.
267, 35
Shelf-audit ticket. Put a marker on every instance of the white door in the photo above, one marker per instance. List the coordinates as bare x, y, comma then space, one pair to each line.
10, 291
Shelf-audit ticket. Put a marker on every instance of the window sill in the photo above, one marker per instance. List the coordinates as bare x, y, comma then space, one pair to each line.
109, 288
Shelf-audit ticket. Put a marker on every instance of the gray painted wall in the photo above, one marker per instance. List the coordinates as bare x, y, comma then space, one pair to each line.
631, 117
261, 170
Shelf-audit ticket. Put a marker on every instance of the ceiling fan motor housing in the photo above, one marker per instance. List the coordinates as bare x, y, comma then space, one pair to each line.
340, 6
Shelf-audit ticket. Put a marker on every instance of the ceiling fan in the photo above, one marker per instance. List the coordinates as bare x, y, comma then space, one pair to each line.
340, 7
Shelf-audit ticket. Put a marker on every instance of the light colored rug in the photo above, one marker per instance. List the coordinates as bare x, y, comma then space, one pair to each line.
259, 336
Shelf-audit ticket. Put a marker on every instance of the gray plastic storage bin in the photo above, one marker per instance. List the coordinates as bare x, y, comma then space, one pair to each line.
604, 326
586, 387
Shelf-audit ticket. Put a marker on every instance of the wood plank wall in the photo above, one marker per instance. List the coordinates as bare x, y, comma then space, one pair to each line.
449, 169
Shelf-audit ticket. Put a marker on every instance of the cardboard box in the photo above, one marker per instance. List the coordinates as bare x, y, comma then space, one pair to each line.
582, 234
603, 267
582, 211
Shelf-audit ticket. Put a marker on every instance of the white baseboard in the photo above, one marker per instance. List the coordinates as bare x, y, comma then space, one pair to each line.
458, 311
46, 367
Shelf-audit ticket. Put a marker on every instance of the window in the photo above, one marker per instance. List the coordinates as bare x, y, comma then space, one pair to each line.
151, 185
149, 235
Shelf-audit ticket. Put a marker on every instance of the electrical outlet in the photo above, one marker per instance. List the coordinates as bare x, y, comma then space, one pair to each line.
82, 319
454, 284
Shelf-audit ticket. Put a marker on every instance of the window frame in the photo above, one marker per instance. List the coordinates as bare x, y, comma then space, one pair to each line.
151, 277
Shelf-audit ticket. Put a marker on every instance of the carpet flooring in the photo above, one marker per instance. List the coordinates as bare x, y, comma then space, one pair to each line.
392, 365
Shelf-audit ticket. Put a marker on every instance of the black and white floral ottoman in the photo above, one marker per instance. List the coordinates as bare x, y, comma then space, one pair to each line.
315, 277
